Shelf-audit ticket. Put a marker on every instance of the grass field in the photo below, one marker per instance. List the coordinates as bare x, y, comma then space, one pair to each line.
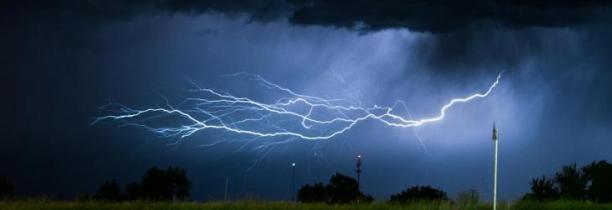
61, 205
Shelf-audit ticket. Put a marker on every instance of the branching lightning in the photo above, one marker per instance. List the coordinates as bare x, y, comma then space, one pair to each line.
294, 116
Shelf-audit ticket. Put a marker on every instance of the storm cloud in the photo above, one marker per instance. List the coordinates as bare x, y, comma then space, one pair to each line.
62, 59
446, 16
423, 16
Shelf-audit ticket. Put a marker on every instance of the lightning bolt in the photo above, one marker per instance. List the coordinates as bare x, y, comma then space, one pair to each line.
295, 116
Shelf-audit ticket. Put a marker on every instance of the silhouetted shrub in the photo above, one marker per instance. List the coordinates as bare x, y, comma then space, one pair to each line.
156, 185
181, 186
171, 184
340, 190
542, 189
314, 193
6, 188
418, 193
571, 183
599, 181
592, 182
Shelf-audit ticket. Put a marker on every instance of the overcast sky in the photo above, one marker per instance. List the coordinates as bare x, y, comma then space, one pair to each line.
62, 60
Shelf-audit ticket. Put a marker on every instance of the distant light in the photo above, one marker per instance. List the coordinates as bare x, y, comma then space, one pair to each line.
358, 156
292, 164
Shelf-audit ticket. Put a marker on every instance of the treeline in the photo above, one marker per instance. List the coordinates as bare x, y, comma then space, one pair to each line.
343, 189
155, 185
173, 184
592, 182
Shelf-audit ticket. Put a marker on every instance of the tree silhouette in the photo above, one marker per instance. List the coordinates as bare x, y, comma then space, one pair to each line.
171, 184
418, 193
109, 191
156, 185
571, 182
314, 193
6, 188
134, 191
181, 186
592, 182
599, 176
542, 189
340, 190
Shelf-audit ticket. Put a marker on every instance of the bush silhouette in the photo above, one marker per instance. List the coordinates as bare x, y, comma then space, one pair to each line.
571, 183
6, 188
340, 190
156, 185
160, 185
542, 189
599, 177
593, 182
418, 193
181, 186
314, 193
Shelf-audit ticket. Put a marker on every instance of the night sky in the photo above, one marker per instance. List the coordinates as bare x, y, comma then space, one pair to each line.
62, 60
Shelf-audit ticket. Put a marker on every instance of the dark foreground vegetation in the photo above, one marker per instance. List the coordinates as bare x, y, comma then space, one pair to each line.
343, 189
155, 185
340, 190
588, 187
592, 182
254, 205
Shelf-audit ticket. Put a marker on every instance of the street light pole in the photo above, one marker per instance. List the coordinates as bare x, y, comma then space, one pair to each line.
358, 172
495, 140
293, 181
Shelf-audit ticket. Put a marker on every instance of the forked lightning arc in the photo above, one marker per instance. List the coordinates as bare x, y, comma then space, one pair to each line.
294, 115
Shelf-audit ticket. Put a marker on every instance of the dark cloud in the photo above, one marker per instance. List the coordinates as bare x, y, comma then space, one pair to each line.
425, 16
447, 15
95, 11
75, 24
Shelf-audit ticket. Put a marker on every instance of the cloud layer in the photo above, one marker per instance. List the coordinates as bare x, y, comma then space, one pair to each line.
424, 16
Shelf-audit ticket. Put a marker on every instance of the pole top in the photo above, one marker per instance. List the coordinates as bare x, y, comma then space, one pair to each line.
494, 132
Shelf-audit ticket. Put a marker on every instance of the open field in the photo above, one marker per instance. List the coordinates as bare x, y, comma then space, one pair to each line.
60, 205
